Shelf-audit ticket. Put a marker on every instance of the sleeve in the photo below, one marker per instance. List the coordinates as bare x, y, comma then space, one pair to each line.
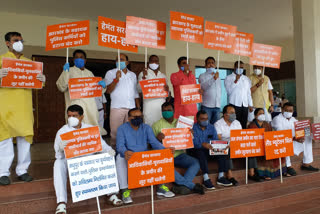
155, 129
249, 93
138, 84
270, 87
175, 81
217, 127
62, 82
215, 134
57, 142
276, 123
136, 94
121, 141
229, 84
109, 77
196, 138
206, 81
155, 144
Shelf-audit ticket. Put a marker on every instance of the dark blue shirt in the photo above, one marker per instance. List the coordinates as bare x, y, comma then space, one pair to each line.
203, 136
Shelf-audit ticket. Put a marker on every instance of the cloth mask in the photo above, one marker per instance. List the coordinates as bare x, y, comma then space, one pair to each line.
136, 121
204, 123
167, 114
232, 117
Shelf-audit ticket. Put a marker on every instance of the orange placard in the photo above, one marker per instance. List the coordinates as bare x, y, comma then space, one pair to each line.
21, 73
179, 138
186, 27
302, 128
278, 144
112, 34
84, 87
82, 142
67, 35
190, 94
219, 36
153, 88
242, 44
150, 168
265, 55
145, 32
246, 143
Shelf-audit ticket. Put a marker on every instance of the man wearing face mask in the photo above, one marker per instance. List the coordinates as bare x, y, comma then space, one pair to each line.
60, 169
134, 136
152, 107
91, 114
285, 121
223, 126
122, 87
238, 88
261, 91
211, 85
16, 117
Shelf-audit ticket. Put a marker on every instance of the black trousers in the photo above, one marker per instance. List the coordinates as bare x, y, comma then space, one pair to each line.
242, 115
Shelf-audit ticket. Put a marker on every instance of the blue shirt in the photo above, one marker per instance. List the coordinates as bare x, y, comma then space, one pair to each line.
136, 140
203, 136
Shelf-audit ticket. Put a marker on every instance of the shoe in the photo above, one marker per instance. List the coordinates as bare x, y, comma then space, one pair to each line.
291, 171
164, 191
309, 168
25, 177
126, 198
198, 188
255, 178
224, 182
233, 181
208, 184
180, 189
4, 180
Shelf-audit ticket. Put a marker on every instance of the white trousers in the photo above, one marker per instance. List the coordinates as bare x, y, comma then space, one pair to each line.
122, 172
306, 148
101, 118
60, 176
7, 156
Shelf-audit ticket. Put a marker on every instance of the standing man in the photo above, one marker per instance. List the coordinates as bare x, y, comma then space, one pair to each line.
16, 117
122, 87
102, 109
183, 77
91, 115
238, 89
211, 86
261, 91
152, 107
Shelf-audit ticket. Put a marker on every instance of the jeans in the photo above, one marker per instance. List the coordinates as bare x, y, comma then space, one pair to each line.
192, 166
213, 114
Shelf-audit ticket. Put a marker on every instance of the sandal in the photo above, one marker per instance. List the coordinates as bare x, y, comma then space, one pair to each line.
115, 201
61, 208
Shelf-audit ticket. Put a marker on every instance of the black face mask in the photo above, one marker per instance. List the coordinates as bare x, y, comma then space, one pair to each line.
136, 121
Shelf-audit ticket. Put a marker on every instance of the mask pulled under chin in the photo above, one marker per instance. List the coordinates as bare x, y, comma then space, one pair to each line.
73, 122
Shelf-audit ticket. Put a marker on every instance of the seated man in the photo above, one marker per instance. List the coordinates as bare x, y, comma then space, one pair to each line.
134, 136
181, 159
60, 169
223, 126
285, 121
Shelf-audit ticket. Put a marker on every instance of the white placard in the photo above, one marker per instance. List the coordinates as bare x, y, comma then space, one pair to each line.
185, 122
219, 147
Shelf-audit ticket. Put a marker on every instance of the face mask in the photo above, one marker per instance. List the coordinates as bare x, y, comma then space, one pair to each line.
154, 66
204, 123
287, 115
182, 68
257, 71
136, 121
73, 121
18, 46
122, 65
79, 62
167, 114
211, 70
239, 71
261, 117
232, 117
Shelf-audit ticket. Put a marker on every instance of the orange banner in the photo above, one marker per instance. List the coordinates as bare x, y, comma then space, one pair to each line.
265, 55
242, 44
302, 128
82, 142
21, 73
179, 138
219, 36
153, 88
316, 131
68, 35
186, 27
112, 34
278, 144
190, 94
246, 143
84, 87
146, 32
150, 168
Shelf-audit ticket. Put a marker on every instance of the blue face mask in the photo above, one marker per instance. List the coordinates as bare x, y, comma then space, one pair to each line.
136, 121
239, 71
122, 65
79, 62
211, 70
204, 123
182, 68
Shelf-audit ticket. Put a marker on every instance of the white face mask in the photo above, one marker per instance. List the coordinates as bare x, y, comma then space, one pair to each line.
287, 115
211, 70
73, 121
257, 71
239, 71
154, 66
18, 46
261, 117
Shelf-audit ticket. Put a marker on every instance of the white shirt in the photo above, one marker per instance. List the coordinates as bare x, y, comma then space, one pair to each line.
224, 129
239, 93
66, 128
125, 92
100, 101
211, 90
281, 123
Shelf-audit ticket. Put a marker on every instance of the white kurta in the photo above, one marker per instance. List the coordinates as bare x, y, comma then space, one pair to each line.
91, 115
152, 107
